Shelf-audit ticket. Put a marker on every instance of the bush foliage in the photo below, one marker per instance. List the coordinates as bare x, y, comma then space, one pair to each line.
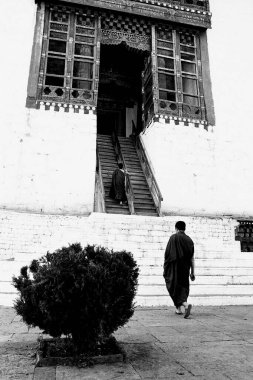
82, 293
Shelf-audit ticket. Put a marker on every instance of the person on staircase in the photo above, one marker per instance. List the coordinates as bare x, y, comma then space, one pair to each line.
118, 185
178, 267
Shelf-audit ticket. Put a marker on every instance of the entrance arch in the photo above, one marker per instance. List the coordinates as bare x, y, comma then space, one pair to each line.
120, 89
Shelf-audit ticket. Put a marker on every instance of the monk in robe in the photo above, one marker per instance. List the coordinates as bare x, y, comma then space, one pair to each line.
178, 267
117, 190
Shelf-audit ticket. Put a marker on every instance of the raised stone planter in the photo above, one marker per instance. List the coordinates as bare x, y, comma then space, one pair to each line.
44, 360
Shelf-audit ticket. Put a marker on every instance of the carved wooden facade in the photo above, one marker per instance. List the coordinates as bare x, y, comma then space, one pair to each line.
67, 58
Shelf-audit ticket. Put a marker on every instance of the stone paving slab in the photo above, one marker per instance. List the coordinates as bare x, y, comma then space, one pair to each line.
214, 343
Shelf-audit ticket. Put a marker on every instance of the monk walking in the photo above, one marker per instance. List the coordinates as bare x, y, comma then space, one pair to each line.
117, 190
178, 267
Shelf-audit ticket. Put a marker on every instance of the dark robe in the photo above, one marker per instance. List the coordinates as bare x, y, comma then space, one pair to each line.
177, 263
117, 190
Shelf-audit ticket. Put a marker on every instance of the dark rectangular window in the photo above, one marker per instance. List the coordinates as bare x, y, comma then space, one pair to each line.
84, 50
55, 66
57, 46
166, 81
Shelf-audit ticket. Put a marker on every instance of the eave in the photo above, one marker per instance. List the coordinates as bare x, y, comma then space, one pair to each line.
165, 11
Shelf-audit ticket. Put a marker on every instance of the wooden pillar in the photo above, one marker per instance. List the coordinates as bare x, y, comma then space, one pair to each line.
35, 57
154, 70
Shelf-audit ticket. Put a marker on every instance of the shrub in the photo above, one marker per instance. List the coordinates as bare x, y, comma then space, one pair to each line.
86, 294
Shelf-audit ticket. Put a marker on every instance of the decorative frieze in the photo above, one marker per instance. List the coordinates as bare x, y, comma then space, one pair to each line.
191, 12
113, 37
182, 121
66, 107
172, 82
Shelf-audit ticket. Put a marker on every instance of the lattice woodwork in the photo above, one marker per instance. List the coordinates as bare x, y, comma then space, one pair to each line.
147, 92
197, 4
118, 28
68, 70
179, 73
69, 66
125, 23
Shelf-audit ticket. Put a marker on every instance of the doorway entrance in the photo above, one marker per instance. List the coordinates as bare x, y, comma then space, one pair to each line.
119, 92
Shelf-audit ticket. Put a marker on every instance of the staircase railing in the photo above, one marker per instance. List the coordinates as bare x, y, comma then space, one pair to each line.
120, 158
146, 167
99, 189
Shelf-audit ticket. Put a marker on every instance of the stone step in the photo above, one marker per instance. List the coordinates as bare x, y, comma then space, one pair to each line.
111, 210
7, 299
217, 300
132, 166
142, 196
137, 176
207, 263
144, 205
147, 213
198, 289
115, 205
158, 271
224, 275
8, 294
201, 279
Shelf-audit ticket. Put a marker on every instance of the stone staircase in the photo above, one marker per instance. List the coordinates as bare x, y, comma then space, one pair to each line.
224, 274
143, 201
108, 162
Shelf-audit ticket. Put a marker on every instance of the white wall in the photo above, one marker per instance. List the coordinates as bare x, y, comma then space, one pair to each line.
211, 173
17, 20
230, 43
47, 158
183, 161
47, 162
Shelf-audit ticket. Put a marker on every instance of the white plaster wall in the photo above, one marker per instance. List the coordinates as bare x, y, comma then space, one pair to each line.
17, 20
47, 158
198, 172
183, 162
230, 43
211, 173
49, 164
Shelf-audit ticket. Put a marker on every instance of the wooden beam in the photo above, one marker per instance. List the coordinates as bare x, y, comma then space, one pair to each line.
191, 17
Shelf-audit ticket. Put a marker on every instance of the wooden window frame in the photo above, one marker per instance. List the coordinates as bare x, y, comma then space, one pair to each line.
67, 94
177, 108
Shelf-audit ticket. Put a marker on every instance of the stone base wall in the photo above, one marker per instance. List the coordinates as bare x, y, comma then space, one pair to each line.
223, 273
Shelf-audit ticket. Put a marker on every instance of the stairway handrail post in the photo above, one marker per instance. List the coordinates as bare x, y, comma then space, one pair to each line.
100, 184
148, 172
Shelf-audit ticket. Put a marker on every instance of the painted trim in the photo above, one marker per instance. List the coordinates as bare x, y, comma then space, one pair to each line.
153, 9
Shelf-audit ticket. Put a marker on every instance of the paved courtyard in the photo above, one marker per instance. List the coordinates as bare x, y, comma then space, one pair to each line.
214, 343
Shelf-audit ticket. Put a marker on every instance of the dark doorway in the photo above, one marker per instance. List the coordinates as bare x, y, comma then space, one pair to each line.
119, 92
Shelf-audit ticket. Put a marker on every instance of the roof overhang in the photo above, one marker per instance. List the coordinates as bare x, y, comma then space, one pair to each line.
164, 10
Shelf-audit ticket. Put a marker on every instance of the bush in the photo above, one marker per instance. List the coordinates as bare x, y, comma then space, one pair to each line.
85, 294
